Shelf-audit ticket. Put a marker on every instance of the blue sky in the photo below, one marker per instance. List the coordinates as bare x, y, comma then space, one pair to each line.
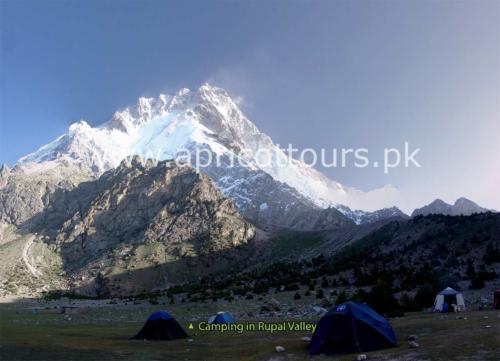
312, 73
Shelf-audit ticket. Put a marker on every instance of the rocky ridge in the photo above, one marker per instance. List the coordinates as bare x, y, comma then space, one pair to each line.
139, 226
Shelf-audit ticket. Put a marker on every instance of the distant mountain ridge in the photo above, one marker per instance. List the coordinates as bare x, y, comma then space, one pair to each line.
362, 217
461, 207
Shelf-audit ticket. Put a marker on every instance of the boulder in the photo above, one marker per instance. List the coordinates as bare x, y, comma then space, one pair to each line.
413, 344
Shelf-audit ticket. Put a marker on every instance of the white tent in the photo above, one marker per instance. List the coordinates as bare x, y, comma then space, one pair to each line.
449, 300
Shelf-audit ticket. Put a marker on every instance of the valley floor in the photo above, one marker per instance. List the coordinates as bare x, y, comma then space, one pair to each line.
39, 331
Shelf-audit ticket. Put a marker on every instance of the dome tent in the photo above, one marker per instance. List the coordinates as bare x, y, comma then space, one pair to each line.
352, 327
160, 326
221, 317
448, 297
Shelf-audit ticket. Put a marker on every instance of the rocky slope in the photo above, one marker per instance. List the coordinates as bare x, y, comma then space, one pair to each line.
159, 219
434, 251
272, 205
24, 194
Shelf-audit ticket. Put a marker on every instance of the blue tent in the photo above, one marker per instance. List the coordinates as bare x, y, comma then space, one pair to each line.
352, 327
160, 325
160, 315
222, 317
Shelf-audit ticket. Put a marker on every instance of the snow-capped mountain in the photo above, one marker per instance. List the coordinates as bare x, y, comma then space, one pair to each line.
206, 118
361, 217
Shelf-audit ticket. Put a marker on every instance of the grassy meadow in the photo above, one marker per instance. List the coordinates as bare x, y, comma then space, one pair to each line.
103, 332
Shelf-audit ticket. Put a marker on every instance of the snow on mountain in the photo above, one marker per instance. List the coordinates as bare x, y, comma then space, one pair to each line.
206, 118
362, 217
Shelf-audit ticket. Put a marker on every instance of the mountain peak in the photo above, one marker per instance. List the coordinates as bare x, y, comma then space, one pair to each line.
462, 206
182, 92
4, 168
207, 118
466, 206
438, 201
78, 127
464, 201
209, 87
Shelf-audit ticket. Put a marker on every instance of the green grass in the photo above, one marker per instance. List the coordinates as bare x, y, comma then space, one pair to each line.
102, 334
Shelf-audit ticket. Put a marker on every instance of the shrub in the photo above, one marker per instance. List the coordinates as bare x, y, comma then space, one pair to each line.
492, 254
476, 283
424, 297
407, 303
341, 297
292, 287
381, 298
